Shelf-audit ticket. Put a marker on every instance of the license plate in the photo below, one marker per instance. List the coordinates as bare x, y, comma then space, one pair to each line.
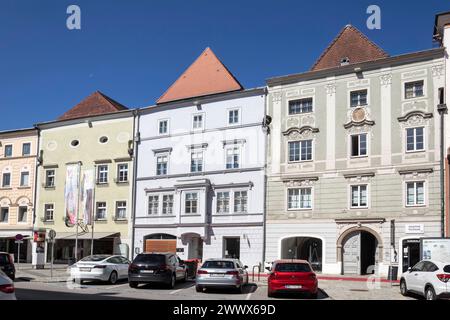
288, 286
217, 275
85, 269
146, 271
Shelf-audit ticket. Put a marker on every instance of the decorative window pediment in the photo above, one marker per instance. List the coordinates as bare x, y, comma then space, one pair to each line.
304, 132
359, 117
415, 116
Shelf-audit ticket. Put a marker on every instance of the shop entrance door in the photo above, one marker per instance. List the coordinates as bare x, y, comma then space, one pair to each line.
411, 253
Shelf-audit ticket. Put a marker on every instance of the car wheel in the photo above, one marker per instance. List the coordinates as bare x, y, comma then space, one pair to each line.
133, 284
198, 288
113, 277
430, 294
172, 282
240, 289
403, 288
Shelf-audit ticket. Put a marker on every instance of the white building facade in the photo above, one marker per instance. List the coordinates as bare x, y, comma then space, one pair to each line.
200, 180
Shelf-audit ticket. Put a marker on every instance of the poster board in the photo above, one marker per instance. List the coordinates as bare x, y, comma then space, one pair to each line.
437, 249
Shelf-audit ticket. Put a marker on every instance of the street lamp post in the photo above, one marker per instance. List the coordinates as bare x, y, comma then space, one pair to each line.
442, 110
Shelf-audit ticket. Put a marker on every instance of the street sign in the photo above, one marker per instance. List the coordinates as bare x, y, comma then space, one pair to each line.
52, 234
19, 241
19, 237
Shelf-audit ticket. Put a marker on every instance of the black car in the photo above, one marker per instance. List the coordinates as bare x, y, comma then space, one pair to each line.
164, 268
7, 265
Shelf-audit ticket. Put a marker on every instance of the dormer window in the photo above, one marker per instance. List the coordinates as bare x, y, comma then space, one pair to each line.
345, 61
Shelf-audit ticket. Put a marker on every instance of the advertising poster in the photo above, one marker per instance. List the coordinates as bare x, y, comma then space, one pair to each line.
71, 193
437, 249
87, 196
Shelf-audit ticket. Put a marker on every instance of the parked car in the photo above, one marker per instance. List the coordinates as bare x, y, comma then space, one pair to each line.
7, 265
100, 267
166, 268
221, 273
6, 287
290, 276
427, 278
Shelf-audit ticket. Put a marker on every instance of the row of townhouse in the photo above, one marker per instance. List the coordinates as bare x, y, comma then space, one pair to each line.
338, 165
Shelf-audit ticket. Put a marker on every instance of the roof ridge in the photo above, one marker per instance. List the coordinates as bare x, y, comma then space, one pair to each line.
112, 102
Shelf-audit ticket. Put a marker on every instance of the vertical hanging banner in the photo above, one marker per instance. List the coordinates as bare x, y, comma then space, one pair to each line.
87, 196
71, 193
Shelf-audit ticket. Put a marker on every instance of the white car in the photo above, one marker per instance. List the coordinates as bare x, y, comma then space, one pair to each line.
427, 278
100, 267
6, 287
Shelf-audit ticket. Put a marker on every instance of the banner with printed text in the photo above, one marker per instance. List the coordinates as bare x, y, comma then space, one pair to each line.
71, 193
87, 196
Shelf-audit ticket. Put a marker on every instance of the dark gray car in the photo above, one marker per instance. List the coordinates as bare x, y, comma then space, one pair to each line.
165, 268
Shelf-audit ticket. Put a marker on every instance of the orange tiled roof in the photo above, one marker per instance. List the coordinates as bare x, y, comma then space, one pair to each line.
352, 44
207, 75
96, 104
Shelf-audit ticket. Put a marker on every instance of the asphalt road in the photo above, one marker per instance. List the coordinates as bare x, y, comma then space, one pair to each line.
183, 291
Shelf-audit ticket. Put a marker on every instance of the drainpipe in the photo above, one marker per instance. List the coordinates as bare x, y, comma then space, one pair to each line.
136, 138
266, 142
442, 110
37, 164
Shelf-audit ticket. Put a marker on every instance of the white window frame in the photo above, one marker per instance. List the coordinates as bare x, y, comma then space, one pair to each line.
415, 139
238, 109
404, 83
46, 178
359, 206
28, 182
8, 213
197, 151
125, 171
233, 199
350, 145
160, 155
99, 172
405, 194
12, 150
202, 114
24, 143
197, 200
230, 196
121, 207
18, 214
298, 99
299, 208
239, 153
358, 90
159, 127
162, 204
97, 208
157, 202
52, 210
3, 180
288, 158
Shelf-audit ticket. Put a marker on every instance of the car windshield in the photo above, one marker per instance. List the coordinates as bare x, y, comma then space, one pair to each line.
150, 259
218, 265
95, 258
4, 259
292, 267
447, 268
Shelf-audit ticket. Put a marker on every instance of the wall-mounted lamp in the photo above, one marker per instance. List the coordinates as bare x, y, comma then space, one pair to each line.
89, 122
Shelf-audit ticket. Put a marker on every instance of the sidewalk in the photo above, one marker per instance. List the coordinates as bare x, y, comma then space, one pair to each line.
26, 272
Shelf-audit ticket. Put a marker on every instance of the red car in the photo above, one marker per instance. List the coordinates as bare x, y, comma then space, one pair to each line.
290, 276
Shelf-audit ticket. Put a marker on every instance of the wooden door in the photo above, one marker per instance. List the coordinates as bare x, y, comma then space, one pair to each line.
163, 245
351, 254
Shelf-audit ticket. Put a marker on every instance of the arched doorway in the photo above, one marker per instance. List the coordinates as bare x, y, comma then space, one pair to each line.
160, 242
305, 248
360, 252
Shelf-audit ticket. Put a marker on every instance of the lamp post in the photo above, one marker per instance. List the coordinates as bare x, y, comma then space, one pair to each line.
442, 110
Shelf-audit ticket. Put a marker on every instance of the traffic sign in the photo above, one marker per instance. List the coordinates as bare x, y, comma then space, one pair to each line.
19, 241
52, 234
19, 237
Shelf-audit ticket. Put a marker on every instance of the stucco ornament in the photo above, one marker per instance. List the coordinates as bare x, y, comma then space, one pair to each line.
299, 183
330, 88
437, 70
357, 118
276, 97
305, 132
386, 79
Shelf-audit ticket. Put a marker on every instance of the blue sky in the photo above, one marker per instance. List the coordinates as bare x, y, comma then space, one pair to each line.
133, 50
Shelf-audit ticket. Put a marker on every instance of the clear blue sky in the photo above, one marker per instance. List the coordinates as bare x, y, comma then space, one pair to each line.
133, 50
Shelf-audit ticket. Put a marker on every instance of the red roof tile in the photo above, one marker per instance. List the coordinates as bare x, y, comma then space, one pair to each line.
352, 44
207, 75
96, 104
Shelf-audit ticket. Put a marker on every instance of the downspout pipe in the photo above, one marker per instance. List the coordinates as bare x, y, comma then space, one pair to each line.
136, 141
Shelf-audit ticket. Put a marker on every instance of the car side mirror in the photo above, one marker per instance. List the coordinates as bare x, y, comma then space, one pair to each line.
245, 267
409, 269
268, 268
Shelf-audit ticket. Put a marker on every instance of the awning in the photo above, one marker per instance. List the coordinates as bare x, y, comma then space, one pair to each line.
85, 235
